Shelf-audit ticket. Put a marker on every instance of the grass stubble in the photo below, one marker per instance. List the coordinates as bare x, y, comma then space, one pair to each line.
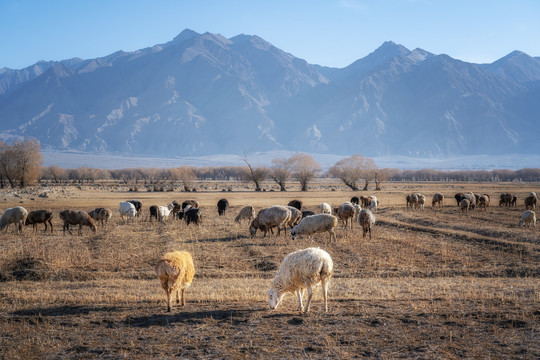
430, 284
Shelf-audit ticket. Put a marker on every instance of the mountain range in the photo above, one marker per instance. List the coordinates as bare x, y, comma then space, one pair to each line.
204, 94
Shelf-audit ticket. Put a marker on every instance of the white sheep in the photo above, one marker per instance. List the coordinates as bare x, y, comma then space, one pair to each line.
528, 218
345, 212
164, 211
366, 220
246, 213
270, 217
175, 271
326, 208
16, 215
316, 224
128, 210
373, 203
301, 270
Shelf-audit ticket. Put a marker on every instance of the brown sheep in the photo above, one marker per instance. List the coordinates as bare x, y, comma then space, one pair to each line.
506, 199
464, 205
345, 212
175, 271
530, 202
101, 215
483, 202
438, 199
296, 204
76, 217
40, 217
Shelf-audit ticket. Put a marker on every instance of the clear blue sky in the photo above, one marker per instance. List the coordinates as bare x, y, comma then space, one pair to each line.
325, 32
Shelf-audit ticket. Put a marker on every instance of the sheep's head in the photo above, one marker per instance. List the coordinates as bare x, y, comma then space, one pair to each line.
293, 232
253, 227
274, 298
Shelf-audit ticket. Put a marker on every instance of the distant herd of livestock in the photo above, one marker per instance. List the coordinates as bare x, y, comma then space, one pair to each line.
300, 222
299, 271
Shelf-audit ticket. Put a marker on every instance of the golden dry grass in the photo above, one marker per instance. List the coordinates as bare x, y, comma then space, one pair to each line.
430, 284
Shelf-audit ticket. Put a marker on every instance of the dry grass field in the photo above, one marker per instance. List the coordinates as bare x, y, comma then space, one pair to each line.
432, 284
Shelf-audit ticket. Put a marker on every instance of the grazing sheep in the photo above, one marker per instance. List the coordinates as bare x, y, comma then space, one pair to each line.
326, 209
222, 206
408, 201
459, 197
192, 203
366, 220
154, 211
307, 213
421, 201
413, 200
193, 215
530, 202
76, 217
438, 199
355, 200
301, 270
246, 213
506, 199
514, 201
483, 202
175, 271
528, 218
270, 217
16, 215
137, 204
472, 199
128, 210
296, 204
163, 213
464, 205
296, 216
345, 212
366, 201
316, 224
101, 214
176, 208
39, 217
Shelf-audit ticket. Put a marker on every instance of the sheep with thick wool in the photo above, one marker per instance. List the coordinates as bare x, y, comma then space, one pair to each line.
270, 217
326, 208
530, 202
345, 212
127, 210
302, 270
528, 218
366, 220
315, 224
16, 215
175, 271
296, 216
246, 213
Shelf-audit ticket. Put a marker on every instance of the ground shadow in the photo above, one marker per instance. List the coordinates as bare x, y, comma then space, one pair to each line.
64, 310
196, 317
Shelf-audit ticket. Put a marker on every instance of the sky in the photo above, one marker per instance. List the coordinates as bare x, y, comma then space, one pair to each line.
331, 33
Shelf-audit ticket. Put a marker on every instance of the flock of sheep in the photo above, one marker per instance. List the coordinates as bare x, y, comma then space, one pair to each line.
301, 270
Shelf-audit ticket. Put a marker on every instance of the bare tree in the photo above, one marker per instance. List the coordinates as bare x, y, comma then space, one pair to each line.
352, 169
280, 173
304, 169
255, 174
187, 177
21, 161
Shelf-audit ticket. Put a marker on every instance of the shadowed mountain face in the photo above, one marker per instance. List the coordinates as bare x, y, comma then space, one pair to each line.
202, 94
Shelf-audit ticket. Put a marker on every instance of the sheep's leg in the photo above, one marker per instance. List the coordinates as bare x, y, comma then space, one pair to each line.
178, 296
183, 297
300, 294
309, 296
324, 284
